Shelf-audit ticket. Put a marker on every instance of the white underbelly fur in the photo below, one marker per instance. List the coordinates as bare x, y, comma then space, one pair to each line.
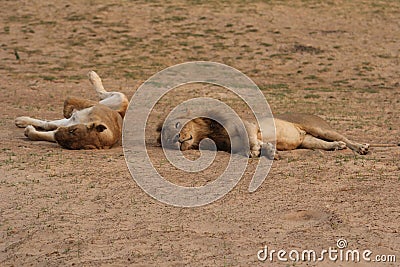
80, 116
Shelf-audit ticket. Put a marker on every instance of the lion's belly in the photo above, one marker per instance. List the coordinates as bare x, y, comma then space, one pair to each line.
80, 116
288, 135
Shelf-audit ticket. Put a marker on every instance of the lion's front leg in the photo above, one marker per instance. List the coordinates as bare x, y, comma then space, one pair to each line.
36, 135
255, 148
253, 133
23, 122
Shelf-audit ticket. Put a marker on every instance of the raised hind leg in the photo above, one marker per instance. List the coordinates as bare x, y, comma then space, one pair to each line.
311, 142
114, 100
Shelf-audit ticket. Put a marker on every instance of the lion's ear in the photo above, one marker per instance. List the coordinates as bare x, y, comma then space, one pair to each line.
212, 124
101, 127
97, 126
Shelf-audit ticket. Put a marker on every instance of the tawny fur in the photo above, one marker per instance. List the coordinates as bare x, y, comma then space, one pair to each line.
292, 131
319, 134
198, 129
87, 124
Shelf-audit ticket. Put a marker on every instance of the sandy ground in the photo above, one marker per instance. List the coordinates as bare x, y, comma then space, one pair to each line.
338, 59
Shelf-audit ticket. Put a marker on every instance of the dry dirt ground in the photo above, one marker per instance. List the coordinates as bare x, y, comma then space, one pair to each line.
338, 59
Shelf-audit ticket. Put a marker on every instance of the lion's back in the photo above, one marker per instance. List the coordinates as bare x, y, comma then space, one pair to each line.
307, 121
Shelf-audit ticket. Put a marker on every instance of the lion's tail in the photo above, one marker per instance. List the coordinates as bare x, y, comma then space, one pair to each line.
384, 145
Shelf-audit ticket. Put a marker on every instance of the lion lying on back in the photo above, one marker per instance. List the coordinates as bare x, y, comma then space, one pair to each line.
292, 131
87, 124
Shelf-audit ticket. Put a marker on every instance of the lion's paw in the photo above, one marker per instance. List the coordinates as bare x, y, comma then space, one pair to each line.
268, 150
29, 131
340, 145
255, 149
363, 149
93, 77
68, 111
254, 153
22, 122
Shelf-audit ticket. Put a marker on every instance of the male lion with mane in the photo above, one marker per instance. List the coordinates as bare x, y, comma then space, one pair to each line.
184, 133
87, 124
292, 131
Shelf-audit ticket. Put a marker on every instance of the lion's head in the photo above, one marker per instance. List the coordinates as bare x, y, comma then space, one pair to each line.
85, 136
187, 134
